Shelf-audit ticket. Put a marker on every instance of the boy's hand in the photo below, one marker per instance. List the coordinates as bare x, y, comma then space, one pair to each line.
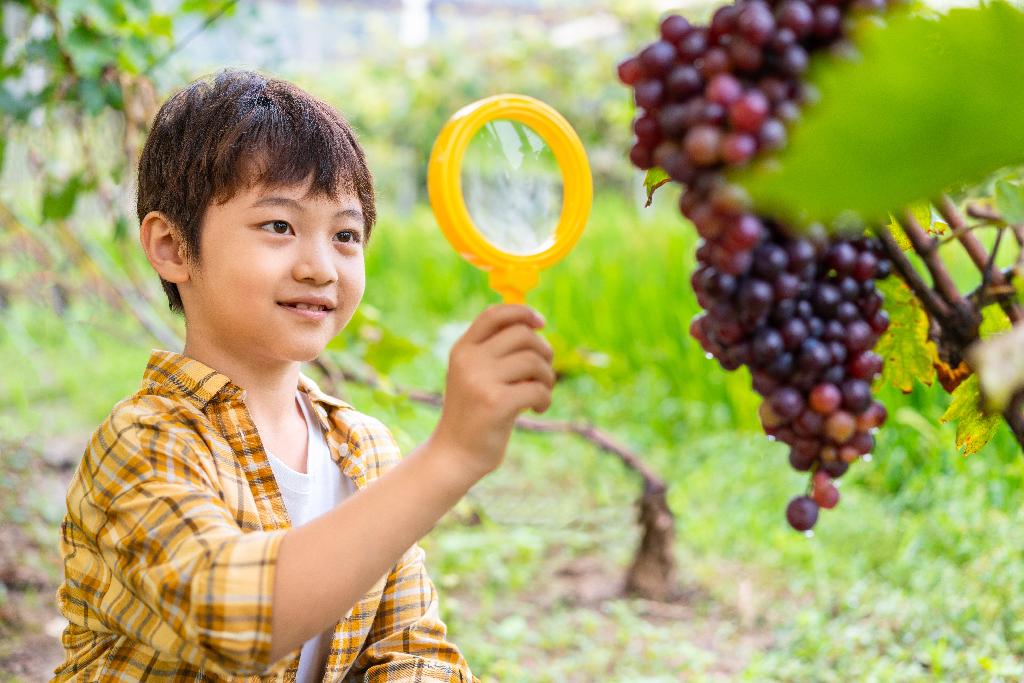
497, 369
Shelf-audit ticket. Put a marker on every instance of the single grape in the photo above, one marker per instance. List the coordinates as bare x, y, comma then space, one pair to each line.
738, 148
724, 89
744, 55
802, 513
840, 426
755, 22
641, 157
674, 28
859, 336
873, 417
658, 57
827, 20
826, 497
748, 112
715, 61
647, 130
814, 356
693, 44
825, 398
701, 144
772, 135
767, 346
683, 81
786, 402
865, 365
630, 71
649, 93
672, 120
797, 16
856, 395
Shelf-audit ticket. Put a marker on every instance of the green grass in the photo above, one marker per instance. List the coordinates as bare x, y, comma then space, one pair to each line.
915, 576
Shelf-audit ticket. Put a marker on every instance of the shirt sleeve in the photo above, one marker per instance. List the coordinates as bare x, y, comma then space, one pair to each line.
407, 641
154, 554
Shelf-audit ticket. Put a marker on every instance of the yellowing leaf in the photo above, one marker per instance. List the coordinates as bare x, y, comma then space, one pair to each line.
902, 241
905, 347
974, 428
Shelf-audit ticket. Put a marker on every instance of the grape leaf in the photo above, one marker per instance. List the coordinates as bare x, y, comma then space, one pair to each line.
974, 428
1009, 201
905, 347
929, 103
654, 179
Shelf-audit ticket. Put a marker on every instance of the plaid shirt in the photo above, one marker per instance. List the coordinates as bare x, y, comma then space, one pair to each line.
170, 542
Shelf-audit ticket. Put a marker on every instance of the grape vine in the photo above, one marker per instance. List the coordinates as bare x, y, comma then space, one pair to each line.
800, 309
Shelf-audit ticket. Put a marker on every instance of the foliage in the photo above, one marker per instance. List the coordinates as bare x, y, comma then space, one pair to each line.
901, 122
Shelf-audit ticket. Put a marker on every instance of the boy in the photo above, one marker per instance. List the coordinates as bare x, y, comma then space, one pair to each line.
229, 521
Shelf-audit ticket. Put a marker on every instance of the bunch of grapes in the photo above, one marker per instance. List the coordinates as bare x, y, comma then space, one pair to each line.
800, 309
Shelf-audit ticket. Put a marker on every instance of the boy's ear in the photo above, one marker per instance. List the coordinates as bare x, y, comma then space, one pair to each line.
163, 246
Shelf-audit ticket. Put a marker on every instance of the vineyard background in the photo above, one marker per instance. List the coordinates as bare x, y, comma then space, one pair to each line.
914, 577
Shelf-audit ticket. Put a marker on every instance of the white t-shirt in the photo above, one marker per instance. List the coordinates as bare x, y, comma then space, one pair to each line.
306, 497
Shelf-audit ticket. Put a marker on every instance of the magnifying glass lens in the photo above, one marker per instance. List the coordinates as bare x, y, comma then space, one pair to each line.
512, 186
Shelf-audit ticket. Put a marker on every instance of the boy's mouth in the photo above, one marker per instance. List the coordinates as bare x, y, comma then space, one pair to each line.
310, 302
306, 307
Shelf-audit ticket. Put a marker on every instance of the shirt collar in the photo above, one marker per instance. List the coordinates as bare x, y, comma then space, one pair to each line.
183, 375
201, 383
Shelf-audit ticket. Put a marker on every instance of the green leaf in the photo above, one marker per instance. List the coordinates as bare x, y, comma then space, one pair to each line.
928, 104
654, 179
974, 428
59, 202
905, 347
389, 351
1009, 197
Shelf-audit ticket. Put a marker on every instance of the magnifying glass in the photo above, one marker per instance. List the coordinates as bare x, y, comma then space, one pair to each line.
510, 186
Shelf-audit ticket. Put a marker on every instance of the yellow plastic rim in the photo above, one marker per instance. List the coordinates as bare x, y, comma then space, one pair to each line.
512, 275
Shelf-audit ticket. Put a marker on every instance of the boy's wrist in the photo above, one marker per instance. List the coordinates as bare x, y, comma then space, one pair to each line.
449, 464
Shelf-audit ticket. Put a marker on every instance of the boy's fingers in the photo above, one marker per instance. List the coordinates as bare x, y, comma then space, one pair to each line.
533, 395
524, 366
517, 338
498, 317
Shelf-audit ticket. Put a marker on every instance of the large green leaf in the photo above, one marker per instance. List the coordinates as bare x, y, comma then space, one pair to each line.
930, 103
905, 347
974, 428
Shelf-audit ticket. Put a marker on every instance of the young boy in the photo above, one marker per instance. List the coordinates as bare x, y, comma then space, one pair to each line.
229, 521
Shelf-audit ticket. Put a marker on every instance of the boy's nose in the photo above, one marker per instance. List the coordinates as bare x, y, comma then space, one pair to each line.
316, 264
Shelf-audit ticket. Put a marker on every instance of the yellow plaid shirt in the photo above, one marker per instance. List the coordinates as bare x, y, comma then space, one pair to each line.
170, 542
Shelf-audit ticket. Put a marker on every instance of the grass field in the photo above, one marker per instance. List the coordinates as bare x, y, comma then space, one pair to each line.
914, 577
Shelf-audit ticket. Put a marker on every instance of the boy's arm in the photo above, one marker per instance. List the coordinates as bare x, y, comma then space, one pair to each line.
497, 369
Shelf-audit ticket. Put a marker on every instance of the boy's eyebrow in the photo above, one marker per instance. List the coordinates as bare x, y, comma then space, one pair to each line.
274, 200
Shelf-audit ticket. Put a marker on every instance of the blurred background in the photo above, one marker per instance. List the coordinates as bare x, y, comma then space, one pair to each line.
915, 576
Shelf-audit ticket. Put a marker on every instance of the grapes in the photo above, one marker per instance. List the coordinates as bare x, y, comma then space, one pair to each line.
801, 310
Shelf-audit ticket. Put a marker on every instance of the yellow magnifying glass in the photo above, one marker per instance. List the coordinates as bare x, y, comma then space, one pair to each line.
498, 171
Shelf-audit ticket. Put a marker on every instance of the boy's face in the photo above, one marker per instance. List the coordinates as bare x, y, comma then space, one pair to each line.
266, 248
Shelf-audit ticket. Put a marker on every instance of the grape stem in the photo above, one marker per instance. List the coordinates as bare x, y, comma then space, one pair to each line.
957, 318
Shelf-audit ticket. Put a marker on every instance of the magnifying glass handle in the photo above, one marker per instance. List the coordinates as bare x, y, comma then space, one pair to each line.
513, 285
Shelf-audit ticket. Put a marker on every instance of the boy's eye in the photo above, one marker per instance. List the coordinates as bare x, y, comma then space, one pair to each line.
347, 236
278, 227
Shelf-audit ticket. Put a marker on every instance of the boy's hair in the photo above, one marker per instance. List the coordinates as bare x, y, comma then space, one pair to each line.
236, 130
